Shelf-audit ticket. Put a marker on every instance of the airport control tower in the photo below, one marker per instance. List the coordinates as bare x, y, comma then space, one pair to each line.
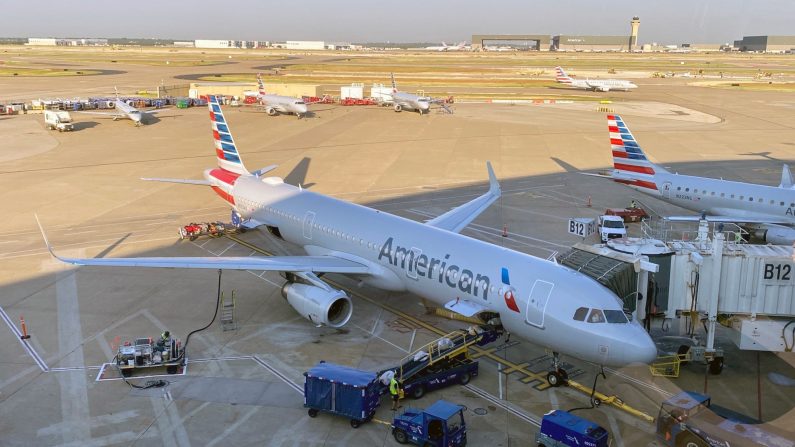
633, 35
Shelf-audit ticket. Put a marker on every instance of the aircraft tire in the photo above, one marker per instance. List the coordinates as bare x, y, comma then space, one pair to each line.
312, 412
398, 108
554, 379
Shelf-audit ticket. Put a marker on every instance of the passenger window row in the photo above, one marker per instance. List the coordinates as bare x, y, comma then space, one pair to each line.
733, 196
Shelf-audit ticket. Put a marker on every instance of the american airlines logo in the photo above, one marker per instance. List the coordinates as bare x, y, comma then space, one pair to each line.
416, 264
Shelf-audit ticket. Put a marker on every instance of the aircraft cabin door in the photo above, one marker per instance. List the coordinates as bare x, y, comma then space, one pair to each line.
309, 222
666, 190
537, 303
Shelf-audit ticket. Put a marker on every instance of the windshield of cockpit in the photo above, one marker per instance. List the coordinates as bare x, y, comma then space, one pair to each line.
600, 316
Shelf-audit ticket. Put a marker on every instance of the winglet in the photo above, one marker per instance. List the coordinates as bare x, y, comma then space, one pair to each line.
44, 236
786, 177
494, 185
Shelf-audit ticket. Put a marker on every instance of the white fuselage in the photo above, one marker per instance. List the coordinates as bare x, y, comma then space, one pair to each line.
442, 266
283, 104
724, 197
411, 101
603, 85
127, 111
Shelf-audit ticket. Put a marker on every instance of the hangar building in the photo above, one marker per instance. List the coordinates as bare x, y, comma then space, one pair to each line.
771, 44
565, 42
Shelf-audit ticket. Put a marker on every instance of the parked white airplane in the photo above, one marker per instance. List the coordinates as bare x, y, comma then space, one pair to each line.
767, 211
409, 101
602, 85
538, 300
280, 104
124, 111
445, 47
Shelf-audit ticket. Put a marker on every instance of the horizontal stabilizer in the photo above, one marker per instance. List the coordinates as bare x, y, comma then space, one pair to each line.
465, 307
264, 170
458, 218
178, 180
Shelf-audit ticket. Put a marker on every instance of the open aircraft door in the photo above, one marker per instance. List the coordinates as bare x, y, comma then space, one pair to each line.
537, 302
666, 190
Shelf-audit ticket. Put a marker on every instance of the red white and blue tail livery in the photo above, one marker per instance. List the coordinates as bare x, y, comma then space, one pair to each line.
631, 165
225, 150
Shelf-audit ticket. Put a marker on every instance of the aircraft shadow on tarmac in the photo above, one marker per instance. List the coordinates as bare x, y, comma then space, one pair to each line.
298, 175
81, 125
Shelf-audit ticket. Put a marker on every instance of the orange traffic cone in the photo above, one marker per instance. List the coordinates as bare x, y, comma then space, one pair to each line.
24, 335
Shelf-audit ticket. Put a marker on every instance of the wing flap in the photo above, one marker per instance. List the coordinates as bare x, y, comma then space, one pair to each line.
458, 218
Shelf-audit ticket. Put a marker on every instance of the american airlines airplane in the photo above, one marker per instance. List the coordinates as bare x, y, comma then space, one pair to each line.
767, 211
409, 101
601, 85
538, 300
124, 111
280, 104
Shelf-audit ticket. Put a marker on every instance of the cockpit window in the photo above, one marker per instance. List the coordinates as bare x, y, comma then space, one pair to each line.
596, 316
300, 102
616, 316
580, 314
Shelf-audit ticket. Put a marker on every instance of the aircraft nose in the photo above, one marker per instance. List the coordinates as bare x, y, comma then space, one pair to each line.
641, 349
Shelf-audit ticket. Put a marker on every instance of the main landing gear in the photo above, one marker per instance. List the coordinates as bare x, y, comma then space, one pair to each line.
558, 376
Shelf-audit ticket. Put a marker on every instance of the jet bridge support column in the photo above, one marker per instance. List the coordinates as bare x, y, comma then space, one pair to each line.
713, 290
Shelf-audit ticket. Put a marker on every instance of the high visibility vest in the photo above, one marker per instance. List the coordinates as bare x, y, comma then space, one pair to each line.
393, 387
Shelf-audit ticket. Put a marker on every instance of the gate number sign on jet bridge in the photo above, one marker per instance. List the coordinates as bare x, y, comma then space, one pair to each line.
777, 272
582, 227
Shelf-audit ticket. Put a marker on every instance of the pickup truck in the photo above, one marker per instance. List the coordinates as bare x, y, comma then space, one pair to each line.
611, 227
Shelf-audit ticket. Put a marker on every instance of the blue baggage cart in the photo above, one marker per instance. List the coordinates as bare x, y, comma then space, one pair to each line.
343, 391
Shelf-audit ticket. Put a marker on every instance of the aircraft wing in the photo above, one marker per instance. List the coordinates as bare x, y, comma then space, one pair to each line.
315, 264
458, 218
177, 180
729, 219
98, 113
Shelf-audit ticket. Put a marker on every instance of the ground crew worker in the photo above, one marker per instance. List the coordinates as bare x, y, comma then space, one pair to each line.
394, 391
633, 205
165, 340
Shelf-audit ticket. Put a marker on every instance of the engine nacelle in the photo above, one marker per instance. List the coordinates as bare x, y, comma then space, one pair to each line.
776, 235
324, 307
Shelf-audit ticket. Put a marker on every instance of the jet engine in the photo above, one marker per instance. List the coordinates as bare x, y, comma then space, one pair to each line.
270, 111
398, 107
776, 234
328, 307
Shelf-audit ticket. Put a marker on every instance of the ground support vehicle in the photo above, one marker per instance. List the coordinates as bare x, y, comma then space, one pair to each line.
194, 230
689, 420
146, 354
57, 119
455, 370
440, 425
342, 391
628, 215
561, 428
611, 227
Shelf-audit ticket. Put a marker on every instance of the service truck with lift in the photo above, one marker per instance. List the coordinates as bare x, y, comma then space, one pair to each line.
58, 120
440, 425
688, 419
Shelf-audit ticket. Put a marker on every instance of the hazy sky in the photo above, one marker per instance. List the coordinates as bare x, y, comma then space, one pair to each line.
671, 21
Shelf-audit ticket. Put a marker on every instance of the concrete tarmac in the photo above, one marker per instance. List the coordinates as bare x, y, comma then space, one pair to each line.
243, 387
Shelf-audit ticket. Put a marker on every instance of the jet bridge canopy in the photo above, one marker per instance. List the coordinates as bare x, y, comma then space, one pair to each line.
618, 276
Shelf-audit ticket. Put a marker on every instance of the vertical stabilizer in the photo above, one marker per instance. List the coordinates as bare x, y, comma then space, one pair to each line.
786, 177
561, 76
629, 160
226, 153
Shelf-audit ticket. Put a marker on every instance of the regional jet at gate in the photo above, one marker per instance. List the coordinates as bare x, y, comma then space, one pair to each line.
535, 299
767, 211
124, 111
601, 85
409, 101
280, 104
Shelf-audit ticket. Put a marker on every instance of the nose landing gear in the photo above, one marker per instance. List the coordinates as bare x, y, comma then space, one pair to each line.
558, 376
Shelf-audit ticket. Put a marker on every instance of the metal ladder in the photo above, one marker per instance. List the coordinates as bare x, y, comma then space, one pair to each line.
228, 321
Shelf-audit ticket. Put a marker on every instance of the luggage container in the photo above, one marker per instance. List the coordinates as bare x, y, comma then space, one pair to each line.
343, 391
